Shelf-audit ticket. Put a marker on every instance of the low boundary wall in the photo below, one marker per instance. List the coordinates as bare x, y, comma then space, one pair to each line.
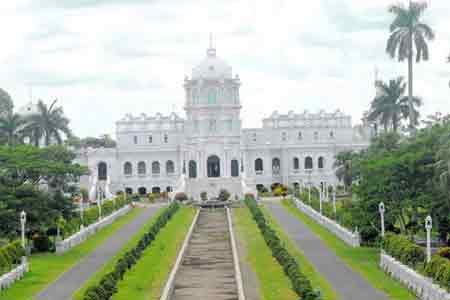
6, 280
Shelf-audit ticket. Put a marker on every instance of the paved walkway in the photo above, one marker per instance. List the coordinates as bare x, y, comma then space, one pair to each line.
348, 284
72, 280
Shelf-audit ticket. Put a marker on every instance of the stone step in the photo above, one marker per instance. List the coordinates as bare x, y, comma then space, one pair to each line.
207, 270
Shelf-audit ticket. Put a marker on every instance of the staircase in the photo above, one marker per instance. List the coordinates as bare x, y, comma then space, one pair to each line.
207, 270
194, 186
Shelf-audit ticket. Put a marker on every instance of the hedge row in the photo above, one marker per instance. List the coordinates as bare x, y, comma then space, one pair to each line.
107, 286
300, 283
10, 255
90, 215
407, 252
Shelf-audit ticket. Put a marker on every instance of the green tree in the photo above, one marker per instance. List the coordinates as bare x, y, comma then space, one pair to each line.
345, 165
408, 33
11, 128
6, 103
49, 122
391, 106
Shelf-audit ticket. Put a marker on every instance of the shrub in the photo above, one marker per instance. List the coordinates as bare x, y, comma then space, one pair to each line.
280, 190
224, 195
300, 283
444, 252
41, 243
204, 196
181, 196
439, 269
10, 255
107, 286
402, 249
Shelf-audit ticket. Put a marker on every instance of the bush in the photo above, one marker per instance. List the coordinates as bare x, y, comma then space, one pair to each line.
181, 196
439, 269
10, 255
41, 243
224, 195
444, 252
107, 286
402, 249
300, 283
280, 190
204, 196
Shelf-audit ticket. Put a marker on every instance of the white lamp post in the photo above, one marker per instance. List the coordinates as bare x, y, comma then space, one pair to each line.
99, 204
309, 193
23, 220
334, 201
382, 209
428, 226
320, 198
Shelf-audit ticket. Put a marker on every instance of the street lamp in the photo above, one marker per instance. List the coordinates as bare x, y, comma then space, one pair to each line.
334, 201
321, 197
23, 220
382, 209
428, 226
99, 203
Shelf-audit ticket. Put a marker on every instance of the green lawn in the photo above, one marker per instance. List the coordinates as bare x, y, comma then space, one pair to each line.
273, 283
363, 260
46, 268
109, 266
147, 278
317, 280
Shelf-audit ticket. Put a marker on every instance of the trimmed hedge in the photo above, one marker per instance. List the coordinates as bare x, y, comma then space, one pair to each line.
10, 256
401, 248
300, 283
107, 286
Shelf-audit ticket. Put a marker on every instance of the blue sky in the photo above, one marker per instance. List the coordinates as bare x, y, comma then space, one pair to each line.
105, 58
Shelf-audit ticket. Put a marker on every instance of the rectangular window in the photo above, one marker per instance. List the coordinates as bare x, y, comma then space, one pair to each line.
300, 136
135, 139
229, 125
254, 137
316, 135
166, 138
196, 126
212, 125
331, 135
284, 136
150, 139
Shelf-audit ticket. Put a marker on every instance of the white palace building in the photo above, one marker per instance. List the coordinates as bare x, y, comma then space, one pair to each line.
209, 150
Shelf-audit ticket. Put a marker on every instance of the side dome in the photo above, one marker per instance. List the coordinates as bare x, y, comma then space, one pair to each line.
212, 67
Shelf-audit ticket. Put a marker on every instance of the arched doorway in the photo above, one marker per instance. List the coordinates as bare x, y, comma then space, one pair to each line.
142, 191
156, 190
102, 171
129, 191
213, 165
192, 169
234, 168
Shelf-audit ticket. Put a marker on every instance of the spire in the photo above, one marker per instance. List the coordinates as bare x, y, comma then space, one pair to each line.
211, 50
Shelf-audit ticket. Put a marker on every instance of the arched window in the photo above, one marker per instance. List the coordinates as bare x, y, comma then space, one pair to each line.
128, 168
259, 167
170, 167
192, 169
234, 168
142, 169
320, 162
166, 138
316, 135
155, 168
212, 96
299, 136
129, 191
308, 163
156, 190
142, 191
276, 166
169, 189
102, 171
296, 163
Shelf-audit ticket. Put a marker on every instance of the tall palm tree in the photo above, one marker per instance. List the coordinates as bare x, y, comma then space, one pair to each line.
391, 106
11, 128
6, 103
48, 122
406, 33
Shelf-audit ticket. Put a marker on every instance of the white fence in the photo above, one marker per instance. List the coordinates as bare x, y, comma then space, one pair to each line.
351, 238
422, 286
83, 234
6, 280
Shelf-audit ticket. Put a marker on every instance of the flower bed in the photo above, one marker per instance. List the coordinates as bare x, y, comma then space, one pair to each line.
107, 286
300, 283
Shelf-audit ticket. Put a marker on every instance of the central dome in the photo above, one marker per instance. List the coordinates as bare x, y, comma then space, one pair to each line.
212, 67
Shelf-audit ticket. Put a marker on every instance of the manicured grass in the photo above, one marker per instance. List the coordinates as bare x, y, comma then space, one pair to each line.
363, 260
273, 283
317, 280
46, 268
109, 266
147, 278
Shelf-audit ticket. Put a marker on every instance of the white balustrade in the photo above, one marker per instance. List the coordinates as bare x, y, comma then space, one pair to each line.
6, 280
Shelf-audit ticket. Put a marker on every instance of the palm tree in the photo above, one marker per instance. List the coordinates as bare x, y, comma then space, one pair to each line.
11, 128
6, 103
343, 168
48, 122
406, 33
391, 106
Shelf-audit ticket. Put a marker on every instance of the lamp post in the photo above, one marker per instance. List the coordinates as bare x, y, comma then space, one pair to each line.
309, 192
321, 198
428, 226
334, 201
382, 209
99, 203
23, 220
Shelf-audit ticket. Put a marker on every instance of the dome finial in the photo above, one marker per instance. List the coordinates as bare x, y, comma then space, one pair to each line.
211, 50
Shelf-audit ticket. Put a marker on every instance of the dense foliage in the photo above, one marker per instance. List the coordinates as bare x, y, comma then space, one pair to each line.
107, 286
10, 255
300, 283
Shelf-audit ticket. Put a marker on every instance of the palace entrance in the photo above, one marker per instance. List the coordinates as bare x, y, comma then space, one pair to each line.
213, 165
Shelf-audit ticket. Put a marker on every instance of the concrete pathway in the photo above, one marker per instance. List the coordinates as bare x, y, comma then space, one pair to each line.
66, 285
347, 283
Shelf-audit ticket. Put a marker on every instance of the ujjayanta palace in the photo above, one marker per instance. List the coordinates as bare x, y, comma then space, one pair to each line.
208, 149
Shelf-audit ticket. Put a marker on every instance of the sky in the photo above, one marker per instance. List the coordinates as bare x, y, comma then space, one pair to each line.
104, 58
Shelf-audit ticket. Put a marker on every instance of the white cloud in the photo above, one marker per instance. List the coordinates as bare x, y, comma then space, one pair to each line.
106, 58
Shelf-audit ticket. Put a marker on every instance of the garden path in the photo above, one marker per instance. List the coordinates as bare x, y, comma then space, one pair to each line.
348, 284
66, 285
